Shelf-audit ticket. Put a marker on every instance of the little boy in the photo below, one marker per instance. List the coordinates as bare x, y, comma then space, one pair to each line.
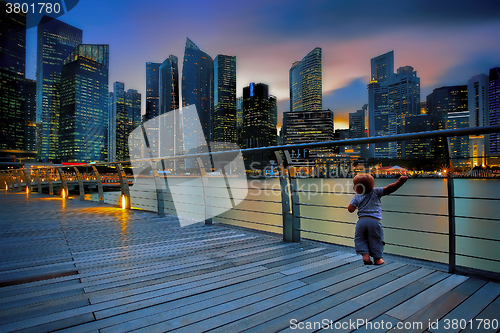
369, 237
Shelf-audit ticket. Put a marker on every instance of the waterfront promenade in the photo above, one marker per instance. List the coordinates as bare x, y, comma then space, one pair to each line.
80, 266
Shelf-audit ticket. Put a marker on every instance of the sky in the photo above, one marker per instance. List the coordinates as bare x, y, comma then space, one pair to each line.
446, 42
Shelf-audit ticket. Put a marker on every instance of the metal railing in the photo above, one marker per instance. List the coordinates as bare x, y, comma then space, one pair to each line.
430, 233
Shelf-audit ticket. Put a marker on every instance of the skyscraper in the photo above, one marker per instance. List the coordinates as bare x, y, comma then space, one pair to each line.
152, 90
357, 129
224, 120
448, 106
306, 90
306, 127
258, 117
478, 88
55, 41
83, 120
391, 98
197, 89
126, 112
382, 67
169, 85
494, 108
17, 122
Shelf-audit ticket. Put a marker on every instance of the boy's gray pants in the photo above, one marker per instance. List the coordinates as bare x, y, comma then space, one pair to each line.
369, 237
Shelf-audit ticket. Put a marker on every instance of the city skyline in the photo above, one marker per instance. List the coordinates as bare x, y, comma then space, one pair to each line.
266, 43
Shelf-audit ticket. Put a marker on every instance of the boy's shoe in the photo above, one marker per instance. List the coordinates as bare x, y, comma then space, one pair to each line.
369, 262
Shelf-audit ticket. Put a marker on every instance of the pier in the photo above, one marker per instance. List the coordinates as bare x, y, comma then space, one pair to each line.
81, 266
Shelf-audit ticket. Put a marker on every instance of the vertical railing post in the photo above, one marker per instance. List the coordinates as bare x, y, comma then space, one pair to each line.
206, 198
160, 202
294, 195
81, 188
286, 208
98, 179
452, 241
64, 183
39, 180
49, 172
19, 180
12, 180
27, 179
124, 185
289, 199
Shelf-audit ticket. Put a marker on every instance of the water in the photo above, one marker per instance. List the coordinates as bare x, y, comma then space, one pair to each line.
415, 218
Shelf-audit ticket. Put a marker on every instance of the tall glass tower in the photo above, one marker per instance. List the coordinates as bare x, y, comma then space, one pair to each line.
169, 85
125, 116
391, 98
152, 90
17, 122
56, 40
225, 99
306, 89
84, 105
197, 89
494, 108
169, 139
478, 101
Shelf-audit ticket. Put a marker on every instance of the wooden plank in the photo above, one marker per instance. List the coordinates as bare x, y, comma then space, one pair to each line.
278, 312
315, 264
390, 287
487, 315
138, 310
432, 312
355, 280
418, 302
471, 307
310, 311
374, 311
181, 321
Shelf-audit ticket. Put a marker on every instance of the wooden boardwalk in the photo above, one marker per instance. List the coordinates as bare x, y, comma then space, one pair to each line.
85, 267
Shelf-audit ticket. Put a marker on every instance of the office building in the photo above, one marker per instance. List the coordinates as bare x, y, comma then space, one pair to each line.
391, 98
169, 85
442, 103
239, 116
357, 129
197, 89
306, 90
259, 117
55, 42
307, 127
478, 100
224, 119
17, 113
459, 147
152, 90
125, 116
83, 119
494, 108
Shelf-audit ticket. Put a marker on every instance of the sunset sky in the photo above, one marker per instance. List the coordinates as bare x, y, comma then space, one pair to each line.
447, 42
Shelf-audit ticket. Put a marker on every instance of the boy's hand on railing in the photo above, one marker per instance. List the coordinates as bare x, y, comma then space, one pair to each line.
403, 179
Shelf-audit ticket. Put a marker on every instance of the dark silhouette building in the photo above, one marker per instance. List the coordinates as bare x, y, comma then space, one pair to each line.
197, 89
55, 42
17, 102
83, 119
152, 90
224, 120
307, 127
